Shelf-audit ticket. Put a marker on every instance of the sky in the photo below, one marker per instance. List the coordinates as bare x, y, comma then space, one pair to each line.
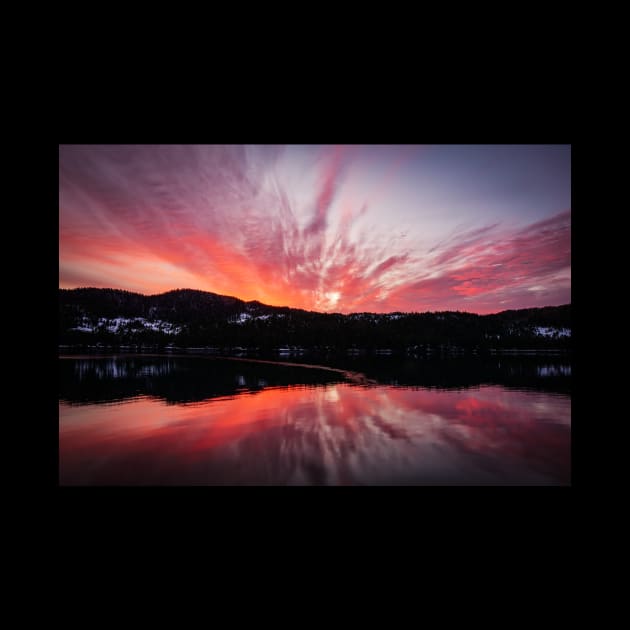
477, 228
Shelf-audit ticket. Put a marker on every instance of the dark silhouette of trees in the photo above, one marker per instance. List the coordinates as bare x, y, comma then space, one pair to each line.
207, 319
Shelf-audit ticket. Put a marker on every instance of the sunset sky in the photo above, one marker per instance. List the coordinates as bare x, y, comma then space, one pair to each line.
329, 228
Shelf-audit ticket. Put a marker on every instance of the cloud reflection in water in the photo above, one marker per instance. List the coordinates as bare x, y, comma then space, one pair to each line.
334, 434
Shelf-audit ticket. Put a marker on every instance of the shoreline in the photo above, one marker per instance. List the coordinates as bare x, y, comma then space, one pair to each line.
357, 378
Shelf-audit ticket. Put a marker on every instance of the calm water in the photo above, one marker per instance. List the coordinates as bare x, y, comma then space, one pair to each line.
166, 420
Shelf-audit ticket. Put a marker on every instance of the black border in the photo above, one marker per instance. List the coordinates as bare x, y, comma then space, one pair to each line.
413, 117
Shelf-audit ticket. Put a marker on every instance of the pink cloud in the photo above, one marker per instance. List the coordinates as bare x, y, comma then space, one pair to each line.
155, 218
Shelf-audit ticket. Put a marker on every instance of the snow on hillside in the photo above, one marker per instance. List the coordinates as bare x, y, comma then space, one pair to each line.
117, 324
241, 318
549, 331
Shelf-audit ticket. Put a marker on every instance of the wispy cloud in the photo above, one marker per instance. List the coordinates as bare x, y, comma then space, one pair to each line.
222, 219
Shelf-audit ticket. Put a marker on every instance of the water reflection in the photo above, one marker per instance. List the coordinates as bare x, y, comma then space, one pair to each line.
184, 379
313, 433
94, 380
553, 370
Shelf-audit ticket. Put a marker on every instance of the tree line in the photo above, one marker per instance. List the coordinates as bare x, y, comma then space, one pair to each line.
207, 319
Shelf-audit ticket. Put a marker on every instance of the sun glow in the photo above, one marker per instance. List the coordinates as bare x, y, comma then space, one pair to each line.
321, 228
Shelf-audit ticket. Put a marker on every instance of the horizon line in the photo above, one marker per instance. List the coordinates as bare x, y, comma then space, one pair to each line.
307, 310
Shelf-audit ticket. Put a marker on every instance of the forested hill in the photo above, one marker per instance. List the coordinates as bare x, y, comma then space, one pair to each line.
186, 318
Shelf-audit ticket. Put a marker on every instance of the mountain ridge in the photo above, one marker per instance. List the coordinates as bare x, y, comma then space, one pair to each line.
189, 317
187, 291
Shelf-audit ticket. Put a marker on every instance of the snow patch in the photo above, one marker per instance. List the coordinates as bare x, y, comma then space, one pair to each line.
550, 331
115, 325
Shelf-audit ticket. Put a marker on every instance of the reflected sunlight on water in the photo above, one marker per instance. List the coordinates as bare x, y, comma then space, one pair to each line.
321, 434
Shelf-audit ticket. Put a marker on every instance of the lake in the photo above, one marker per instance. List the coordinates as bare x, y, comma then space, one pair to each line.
185, 420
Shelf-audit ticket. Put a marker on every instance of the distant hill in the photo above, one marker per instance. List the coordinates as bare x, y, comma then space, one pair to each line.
186, 318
